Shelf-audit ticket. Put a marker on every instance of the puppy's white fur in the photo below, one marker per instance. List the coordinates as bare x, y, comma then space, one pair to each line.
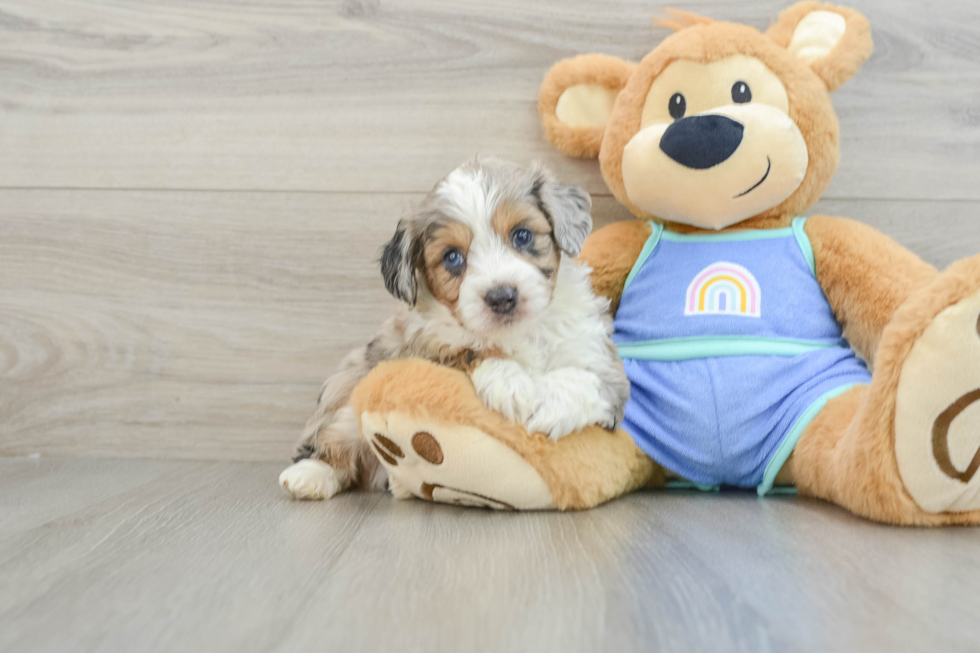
547, 383
559, 371
310, 478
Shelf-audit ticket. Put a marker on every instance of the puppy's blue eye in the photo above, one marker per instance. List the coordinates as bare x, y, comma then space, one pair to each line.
453, 260
521, 238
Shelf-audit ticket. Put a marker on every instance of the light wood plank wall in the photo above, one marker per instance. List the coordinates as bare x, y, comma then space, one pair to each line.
192, 193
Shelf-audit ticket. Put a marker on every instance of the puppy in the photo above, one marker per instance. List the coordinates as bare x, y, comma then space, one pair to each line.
479, 267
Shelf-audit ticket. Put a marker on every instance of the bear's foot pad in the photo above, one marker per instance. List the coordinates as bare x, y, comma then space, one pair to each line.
937, 416
453, 464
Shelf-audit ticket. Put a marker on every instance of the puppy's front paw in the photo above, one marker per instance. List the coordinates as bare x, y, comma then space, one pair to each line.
556, 420
310, 479
567, 403
547, 420
505, 387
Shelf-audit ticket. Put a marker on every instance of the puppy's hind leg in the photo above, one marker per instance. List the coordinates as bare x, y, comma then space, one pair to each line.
311, 479
331, 456
338, 460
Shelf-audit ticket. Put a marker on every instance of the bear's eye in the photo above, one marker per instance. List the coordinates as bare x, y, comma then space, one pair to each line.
521, 237
741, 93
677, 106
453, 260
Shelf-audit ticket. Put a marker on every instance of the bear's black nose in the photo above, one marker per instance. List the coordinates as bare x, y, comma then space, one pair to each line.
701, 142
502, 299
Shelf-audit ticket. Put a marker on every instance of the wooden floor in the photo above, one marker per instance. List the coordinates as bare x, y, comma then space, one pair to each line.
192, 193
180, 556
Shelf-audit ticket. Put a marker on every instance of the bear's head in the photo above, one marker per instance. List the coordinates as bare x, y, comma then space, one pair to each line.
720, 124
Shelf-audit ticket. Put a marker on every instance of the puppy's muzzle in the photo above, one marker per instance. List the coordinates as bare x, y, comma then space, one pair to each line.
502, 300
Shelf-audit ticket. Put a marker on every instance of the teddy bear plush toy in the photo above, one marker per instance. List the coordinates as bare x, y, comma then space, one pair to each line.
761, 346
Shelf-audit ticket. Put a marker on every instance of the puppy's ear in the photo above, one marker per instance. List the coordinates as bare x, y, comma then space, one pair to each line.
569, 208
397, 266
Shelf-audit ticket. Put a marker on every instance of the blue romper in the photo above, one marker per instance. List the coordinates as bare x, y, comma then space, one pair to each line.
731, 349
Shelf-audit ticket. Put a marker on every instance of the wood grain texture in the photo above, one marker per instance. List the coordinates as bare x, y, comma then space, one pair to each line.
363, 95
201, 325
192, 193
212, 556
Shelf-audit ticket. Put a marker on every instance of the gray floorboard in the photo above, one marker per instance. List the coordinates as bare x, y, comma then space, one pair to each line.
139, 555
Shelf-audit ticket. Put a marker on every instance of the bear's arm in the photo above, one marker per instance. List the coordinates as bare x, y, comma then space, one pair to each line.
611, 253
865, 275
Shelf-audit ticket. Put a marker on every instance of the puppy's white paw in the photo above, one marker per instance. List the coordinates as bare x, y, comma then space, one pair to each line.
556, 420
568, 402
505, 387
310, 479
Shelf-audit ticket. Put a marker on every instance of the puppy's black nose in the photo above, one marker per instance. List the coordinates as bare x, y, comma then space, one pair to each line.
701, 142
502, 299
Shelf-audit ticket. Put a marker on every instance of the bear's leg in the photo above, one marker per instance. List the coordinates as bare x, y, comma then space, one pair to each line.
439, 442
906, 449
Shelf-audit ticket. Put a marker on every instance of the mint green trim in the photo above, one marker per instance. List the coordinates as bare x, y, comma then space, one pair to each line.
679, 349
786, 447
735, 236
691, 485
656, 230
784, 490
804, 242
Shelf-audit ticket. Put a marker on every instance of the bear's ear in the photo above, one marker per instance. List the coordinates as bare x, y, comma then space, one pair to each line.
834, 41
577, 98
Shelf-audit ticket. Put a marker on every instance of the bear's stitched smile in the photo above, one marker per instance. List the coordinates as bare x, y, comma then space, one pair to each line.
758, 183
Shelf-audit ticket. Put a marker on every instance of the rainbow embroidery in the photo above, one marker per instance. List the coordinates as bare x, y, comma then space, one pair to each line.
724, 288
